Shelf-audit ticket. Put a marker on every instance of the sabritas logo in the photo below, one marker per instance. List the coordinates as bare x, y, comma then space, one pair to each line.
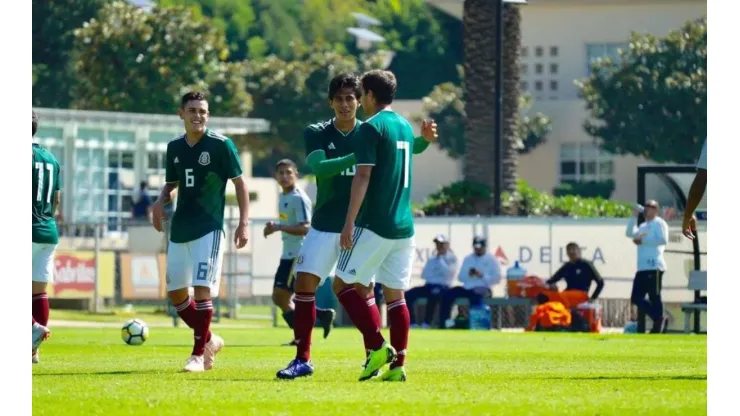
73, 273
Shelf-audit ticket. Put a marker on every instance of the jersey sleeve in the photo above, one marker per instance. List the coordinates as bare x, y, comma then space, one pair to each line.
233, 163
366, 144
57, 178
170, 173
702, 163
302, 206
311, 140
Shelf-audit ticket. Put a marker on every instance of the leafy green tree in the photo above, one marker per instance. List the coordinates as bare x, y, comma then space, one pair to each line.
652, 102
54, 22
129, 60
446, 106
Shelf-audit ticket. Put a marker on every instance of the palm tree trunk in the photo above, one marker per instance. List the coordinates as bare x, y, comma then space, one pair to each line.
512, 46
478, 35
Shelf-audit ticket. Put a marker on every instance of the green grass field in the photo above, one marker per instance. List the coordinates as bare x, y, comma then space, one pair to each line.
85, 371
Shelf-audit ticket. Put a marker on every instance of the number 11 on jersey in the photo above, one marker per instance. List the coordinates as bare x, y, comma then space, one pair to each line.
404, 148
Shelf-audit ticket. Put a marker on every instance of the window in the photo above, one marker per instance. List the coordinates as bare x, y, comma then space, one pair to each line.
539, 51
553, 51
538, 68
538, 85
553, 69
523, 86
595, 51
524, 51
553, 85
523, 69
584, 162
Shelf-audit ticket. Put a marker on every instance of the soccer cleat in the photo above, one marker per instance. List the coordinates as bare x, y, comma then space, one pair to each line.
194, 364
213, 347
39, 334
296, 368
377, 359
374, 373
327, 320
394, 374
35, 357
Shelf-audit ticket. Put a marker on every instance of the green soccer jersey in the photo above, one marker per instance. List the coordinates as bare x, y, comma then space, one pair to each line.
386, 142
333, 192
201, 171
47, 181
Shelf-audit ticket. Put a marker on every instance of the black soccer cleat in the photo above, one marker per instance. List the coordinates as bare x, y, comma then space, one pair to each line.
327, 320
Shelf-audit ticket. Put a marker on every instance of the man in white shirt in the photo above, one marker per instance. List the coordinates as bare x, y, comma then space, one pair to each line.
479, 272
696, 193
438, 274
651, 238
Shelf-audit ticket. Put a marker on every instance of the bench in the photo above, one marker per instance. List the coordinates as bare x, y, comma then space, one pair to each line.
697, 283
497, 303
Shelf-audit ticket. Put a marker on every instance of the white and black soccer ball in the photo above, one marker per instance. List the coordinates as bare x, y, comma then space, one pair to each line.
134, 332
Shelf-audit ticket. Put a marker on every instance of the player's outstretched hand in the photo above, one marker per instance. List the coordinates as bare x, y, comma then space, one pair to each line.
345, 240
240, 236
158, 215
429, 130
269, 229
688, 227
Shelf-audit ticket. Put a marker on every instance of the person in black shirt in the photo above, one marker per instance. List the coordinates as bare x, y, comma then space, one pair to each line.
578, 275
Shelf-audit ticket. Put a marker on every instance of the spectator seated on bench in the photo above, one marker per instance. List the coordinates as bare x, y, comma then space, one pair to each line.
578, 275
479, 272
438, 274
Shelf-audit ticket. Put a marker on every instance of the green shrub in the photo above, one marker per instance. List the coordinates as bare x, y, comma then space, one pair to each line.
588, 189
465, 198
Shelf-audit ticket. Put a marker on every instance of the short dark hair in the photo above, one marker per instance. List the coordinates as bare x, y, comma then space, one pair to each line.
286, 162
192, 96
345, 80
382, 83
34, 122
572, 245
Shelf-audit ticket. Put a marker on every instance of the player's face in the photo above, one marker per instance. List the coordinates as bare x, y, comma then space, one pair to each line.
195, 115
651, 210
286, 176
368, 102
441, 247
344, 103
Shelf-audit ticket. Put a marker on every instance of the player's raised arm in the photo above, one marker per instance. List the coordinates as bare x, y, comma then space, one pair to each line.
428, 136
316, 157
234, 172
365, 149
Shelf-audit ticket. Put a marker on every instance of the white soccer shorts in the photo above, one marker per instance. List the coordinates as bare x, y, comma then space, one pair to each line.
42, 260
319, 254
377, 259
196, 263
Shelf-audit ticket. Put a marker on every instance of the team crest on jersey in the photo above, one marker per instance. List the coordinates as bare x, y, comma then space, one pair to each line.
300, 260
204, 159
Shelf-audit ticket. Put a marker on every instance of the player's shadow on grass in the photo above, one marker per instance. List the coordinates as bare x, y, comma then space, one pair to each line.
636, 378
99, 373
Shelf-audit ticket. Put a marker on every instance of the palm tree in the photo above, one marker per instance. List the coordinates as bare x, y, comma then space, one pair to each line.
479, 19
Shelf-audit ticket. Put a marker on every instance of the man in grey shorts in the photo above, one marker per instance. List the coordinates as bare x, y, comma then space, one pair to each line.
294, 207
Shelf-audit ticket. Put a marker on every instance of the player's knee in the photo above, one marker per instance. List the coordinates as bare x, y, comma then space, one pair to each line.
364, 291
338, 285
280, 297
202, 292
306, 282
392, 295
38, 287
178, 296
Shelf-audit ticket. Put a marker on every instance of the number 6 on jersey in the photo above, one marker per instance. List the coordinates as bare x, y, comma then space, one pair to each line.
189, 178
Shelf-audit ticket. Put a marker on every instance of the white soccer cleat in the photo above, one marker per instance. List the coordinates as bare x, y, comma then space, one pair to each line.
35, 357
194, 364
213, 347
39, 334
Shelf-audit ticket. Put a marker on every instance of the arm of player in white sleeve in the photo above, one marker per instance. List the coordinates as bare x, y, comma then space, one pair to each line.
631, 227
464, 274
303, 209
658, 235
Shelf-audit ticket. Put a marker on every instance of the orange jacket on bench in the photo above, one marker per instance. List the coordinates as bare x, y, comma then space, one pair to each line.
549, 315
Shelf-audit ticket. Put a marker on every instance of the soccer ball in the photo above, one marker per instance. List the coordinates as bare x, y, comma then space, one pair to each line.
134, 332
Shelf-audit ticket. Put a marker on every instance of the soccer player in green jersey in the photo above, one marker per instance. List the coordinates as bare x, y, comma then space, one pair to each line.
199, 164
329, 149
378, 233
47, 184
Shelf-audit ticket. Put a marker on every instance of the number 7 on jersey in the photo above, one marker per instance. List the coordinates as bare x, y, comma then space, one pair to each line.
404, 148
